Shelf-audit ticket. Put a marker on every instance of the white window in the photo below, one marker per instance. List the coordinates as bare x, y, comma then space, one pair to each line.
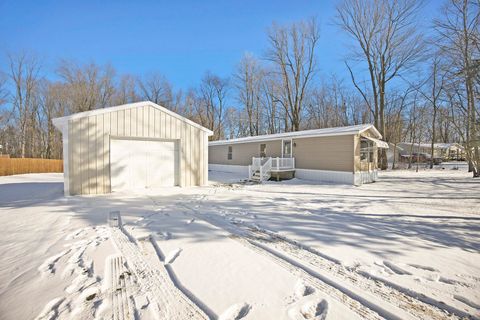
230, 153
366, 150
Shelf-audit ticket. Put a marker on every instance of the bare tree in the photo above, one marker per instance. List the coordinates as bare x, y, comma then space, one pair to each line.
436, 86
25, 75
156, 88
89, 86
459, 36
388, 42
270, 90
331, 104
292, 51
53, 103
248, 82
3, 88
211, 110
396, 104
126, 91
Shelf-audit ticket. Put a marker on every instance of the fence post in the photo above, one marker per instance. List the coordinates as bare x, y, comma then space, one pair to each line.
261, 174
249, 172
293, 163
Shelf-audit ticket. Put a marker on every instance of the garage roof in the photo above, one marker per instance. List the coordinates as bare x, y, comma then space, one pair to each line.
325, 132
62, 121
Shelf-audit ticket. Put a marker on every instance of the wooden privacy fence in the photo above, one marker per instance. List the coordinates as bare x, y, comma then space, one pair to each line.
9, 166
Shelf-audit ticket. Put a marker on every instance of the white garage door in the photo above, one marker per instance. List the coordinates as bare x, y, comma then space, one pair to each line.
136, 164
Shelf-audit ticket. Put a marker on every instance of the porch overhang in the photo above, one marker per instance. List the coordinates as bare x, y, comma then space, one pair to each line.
379, 143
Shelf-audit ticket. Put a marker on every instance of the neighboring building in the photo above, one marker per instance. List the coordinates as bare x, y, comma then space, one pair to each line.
343, 154
444, 151
137, 145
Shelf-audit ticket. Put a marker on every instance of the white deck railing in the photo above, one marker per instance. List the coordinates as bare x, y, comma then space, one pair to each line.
283, 164
264, 166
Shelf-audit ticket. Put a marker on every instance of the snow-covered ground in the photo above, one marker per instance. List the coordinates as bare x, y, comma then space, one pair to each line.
406, 247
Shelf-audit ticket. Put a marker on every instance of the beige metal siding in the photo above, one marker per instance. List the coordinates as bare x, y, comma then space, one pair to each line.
89, 146
318, 153
333, 153
243, 152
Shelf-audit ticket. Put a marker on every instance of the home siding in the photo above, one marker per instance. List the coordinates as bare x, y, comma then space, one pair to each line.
334, 153
89, 146
243, 152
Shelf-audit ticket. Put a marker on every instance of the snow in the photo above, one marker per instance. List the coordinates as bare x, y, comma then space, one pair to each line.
405, 247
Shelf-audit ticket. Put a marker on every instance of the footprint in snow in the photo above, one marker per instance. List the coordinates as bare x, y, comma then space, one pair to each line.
315, 310
191, 221
48, 266
51, 309
236, 312
170, 258
302, 290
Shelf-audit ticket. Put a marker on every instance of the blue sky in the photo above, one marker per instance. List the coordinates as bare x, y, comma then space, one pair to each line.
180, 39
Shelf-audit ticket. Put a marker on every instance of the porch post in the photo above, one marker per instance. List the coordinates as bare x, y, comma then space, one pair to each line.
278, 163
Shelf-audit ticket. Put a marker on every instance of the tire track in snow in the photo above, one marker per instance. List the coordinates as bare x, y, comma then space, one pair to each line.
405, 300
417, 304
122, 308
346, 297
171, 303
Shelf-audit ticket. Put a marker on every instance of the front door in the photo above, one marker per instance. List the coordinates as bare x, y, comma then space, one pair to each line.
263, 150
287, 148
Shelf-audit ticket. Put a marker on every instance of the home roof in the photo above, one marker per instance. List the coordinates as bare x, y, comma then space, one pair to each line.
62, 121
325, 132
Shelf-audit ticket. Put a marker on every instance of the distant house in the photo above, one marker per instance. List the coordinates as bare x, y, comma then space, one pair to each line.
445, 151
342, 155
132, 146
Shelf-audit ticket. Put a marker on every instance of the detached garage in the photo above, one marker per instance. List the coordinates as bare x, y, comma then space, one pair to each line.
132, 146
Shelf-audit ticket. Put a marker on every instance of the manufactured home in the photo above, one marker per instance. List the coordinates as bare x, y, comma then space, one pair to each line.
444, 151
132, 146
341, 155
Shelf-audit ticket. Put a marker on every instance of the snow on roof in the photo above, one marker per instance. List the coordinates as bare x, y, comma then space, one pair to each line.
62, 121
325, 132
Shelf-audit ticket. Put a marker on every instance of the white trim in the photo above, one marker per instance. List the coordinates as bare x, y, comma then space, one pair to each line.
378, 143
60, 122
362, 177
205, 161
229, 168
342, 177
320, 176
66, 167
326, 132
